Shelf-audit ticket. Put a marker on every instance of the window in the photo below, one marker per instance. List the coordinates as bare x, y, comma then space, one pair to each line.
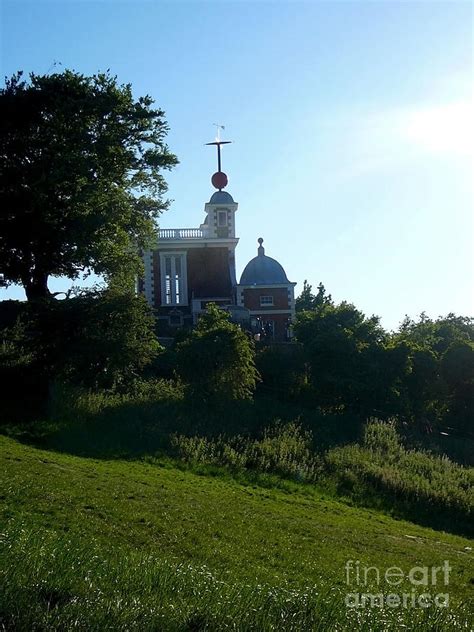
222, 218
266, 301
173, 279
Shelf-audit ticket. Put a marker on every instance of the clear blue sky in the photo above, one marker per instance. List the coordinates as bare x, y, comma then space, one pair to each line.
351, 122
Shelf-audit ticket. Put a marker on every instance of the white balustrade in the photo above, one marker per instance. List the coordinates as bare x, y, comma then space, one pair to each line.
181, 233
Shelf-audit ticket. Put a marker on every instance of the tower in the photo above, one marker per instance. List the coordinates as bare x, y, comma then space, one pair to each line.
190, 267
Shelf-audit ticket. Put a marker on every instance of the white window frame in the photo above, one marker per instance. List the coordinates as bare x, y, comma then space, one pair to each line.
266, 303
183, 280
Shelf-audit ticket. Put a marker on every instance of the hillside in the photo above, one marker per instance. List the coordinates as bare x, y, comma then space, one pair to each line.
138, 516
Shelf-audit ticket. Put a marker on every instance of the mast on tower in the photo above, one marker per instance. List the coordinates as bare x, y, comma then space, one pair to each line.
219, 179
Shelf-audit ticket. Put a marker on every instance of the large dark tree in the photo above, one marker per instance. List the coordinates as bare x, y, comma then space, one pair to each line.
81, 178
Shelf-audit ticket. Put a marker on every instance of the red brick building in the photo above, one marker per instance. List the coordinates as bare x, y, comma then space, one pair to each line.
190, 267
265, 290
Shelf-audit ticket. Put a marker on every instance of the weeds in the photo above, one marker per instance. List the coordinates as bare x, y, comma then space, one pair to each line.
380, 472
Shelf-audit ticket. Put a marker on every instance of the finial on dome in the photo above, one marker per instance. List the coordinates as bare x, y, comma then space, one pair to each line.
261, 249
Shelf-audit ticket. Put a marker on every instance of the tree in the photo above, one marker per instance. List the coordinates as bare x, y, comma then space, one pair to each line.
457, 370
439, 385
342, 348
80, 177
217, 359
437, 335
99, 340
308, 301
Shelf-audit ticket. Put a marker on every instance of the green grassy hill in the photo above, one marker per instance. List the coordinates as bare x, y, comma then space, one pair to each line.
116, 544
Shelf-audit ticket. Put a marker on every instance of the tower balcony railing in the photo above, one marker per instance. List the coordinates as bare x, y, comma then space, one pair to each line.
181, 233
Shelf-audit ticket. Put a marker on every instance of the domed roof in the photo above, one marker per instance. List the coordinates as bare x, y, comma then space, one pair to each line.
263, 270
221, 197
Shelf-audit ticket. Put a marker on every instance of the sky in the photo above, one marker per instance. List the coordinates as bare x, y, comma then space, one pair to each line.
351, 122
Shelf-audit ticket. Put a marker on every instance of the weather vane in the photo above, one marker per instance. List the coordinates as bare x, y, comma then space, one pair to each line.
219, 179
218, 127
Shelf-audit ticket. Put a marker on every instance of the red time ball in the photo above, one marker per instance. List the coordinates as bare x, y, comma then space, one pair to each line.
219, 180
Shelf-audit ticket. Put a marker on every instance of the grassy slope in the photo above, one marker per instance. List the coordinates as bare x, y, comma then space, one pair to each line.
240, 532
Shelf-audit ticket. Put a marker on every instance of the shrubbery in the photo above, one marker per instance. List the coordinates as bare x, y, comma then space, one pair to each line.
379, 472
283, 449
415, 484
423, 373
98, 340
217, 359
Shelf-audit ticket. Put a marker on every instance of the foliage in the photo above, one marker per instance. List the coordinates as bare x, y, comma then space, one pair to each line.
309, 301
382, 438
101, 339
379, 471
440, 385
283, 371
217, 359
342, 348
415, 484
283, 449
437, 335
76, 405
422, 373
80, 177
457, 370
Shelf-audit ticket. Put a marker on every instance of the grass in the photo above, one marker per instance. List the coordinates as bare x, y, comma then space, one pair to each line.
380, 472
121, 544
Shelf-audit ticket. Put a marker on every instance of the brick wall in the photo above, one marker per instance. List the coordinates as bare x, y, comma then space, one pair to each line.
280, 298
208, 272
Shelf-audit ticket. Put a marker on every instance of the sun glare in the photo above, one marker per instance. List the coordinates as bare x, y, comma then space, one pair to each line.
444, 129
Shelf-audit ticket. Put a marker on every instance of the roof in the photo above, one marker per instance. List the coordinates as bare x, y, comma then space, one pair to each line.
263, 270
221, 197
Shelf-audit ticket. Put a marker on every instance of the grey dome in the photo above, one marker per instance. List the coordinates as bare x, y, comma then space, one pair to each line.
263, 270
221, 197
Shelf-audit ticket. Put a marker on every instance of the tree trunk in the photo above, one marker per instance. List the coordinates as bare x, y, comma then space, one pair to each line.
36, 286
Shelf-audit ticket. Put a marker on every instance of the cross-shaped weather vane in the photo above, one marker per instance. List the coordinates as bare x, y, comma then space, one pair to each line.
219, 179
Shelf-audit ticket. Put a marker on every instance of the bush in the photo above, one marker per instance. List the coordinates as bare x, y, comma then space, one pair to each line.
283, 371
382, 438
284, 449
217, 359
98, 340
24, 388
424, 488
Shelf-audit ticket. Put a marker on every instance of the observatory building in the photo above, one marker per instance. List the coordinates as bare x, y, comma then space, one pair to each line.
191, 267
